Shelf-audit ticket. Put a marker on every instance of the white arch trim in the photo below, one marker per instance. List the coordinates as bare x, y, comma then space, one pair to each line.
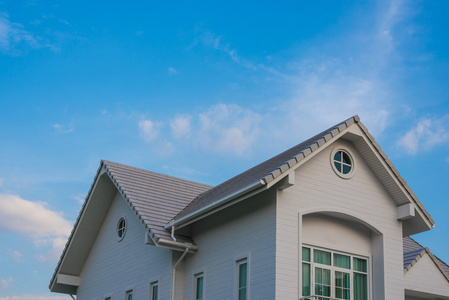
341, 211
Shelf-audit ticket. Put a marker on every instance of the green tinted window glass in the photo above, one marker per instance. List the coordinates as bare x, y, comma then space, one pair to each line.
342, 261
154, 292
360, 264
337, 156
305, 254
322, 282
243, 277
322, 257
360, 286
199, 288
346, 159
305, 279
346, 169
337, 166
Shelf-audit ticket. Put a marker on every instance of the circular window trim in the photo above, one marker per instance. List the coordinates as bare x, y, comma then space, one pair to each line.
353, 165
117, 229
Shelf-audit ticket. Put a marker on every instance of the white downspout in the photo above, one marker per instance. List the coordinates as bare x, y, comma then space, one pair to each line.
174, 270
173, 233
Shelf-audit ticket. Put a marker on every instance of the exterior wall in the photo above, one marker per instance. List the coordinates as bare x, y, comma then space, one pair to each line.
246, 229
424, 276
317, 188
114, 267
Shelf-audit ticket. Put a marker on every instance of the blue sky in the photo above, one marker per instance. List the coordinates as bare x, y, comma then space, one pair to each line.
203, 91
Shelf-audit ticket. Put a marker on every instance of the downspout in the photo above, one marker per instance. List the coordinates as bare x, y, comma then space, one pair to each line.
173, 233
174, 270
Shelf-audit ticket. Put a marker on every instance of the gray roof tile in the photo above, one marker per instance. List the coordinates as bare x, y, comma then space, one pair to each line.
156, 198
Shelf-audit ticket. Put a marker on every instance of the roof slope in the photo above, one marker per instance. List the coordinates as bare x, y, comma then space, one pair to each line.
257, 173
413, 252
156, 198
278, 165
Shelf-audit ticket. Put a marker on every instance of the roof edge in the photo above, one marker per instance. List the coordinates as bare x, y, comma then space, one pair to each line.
432, 257
187, 219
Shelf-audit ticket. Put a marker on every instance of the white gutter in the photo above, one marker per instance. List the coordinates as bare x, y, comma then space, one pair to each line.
183, 221
176, 245
174, 270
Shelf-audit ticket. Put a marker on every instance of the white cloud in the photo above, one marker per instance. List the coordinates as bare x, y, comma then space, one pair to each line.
62, 129
172, 70
148, 130
35, 297
228, 129
13, 35
425, 135
34, 220
4, 283
181, 126
15, 255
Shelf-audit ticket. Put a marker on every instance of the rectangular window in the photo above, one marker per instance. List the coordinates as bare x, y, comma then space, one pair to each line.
154, 290
199, 286
129, 295
334, 275
242, 279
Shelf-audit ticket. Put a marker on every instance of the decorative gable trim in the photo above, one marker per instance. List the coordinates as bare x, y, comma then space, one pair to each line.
421, 254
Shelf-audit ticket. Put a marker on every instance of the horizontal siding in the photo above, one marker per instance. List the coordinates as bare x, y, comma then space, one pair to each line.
245, 228
424, 276
113, 267
317, 186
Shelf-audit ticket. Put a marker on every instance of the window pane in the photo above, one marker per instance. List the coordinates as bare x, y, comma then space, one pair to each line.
342, 261
242, 294
346, 169
338, 166
305, 279
242, 275
346, 159
154, 292
359, 265
305, 254
337, 156
360, 286
199, 288
322, 257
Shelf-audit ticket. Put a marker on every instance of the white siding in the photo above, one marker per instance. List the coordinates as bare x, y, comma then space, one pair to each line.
114, 267
318, 187
424, 276
246, 229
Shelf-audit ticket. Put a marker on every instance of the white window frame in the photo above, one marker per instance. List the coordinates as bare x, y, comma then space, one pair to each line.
120, 238
351, 157
152, 285
195, 278
333, 269
129, 292
239, 262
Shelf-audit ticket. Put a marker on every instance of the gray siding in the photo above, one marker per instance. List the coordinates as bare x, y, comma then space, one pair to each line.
246, 229
113, 267
317, 187
425, 276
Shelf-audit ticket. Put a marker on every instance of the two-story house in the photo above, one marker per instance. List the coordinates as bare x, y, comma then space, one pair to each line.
330, 218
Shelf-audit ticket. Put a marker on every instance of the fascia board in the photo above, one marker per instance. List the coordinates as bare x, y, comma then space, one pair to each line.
100, 171
307, 155
399, 181
220, 204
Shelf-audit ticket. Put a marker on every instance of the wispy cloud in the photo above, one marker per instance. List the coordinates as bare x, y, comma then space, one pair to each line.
4, 283
172, 70
15, 255
181, 126
13, 35
149, 130
62, 129
425, 135
35, 221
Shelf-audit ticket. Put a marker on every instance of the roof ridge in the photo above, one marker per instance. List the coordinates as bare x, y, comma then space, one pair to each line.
108, 162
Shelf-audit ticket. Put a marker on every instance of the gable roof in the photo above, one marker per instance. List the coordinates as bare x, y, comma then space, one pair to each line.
274, 169
154, 198
413, 252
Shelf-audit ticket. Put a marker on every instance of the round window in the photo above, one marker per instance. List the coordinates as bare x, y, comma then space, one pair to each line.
121, 229
342, 163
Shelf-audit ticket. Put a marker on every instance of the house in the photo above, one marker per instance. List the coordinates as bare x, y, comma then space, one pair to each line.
330, 217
